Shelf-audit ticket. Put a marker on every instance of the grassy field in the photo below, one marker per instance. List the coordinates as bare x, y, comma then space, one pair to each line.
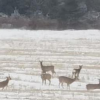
21, 51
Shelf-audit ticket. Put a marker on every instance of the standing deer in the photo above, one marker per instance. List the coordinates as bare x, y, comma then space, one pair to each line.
47, 68
76, 72
64, 79
44, 77
93, 86
5, 83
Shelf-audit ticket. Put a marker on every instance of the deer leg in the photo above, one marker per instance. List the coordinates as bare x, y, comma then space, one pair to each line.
59, 84
77, 76
44, 72
6, 87
72, 74
45, 82
69, 86
49, 82
52, 73
62, 84
42, 82
2, 88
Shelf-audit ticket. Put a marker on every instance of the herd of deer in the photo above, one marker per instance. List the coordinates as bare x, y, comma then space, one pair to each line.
62, 79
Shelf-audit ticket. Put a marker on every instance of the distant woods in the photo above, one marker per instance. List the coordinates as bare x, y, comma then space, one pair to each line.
52, 14
54, 9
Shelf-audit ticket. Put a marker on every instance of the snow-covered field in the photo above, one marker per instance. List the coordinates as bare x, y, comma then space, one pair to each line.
21, 51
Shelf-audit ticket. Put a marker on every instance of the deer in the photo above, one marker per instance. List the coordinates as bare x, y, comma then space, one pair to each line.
4, 83
76, 72
46, 76
47, 68
64, 79
93, 86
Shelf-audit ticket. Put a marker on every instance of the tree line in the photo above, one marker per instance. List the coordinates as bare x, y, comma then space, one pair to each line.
54, 14
54, 9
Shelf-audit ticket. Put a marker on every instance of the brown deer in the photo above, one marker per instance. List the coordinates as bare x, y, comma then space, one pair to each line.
44, 77
47, 68
76, 72
5, 83
93, 86
64, 79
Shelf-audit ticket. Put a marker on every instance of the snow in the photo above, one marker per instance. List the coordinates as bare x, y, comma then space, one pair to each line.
47, 34
21, 51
